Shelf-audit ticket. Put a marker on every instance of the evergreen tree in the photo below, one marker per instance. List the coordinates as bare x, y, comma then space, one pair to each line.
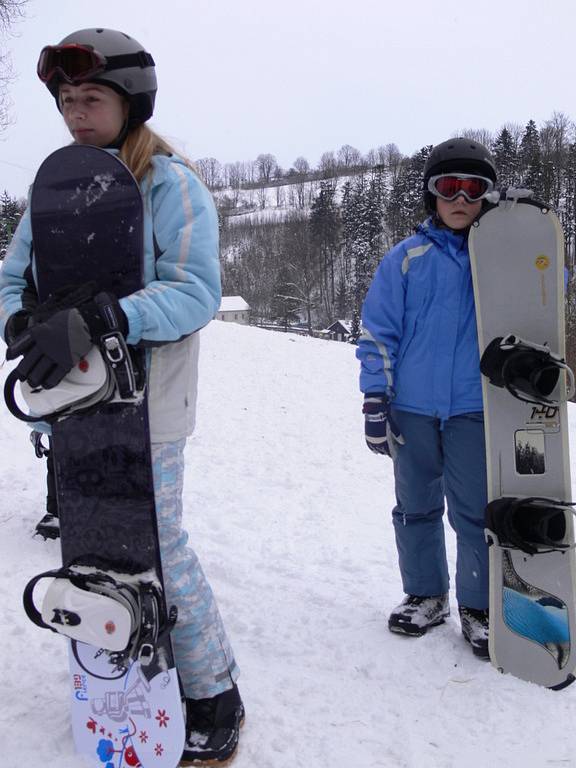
506, 159
568, 206
530, 160
324, 227
10, 214
284, 304
405, 209
362, 226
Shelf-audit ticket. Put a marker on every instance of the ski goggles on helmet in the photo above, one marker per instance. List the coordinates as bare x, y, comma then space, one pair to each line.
72, 63
75, 63
449, 185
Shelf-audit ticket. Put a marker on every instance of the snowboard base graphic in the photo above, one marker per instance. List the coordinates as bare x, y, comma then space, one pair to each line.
517, 258
120, 717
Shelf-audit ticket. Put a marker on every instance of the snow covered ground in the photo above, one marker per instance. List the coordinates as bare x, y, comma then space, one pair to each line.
290, 514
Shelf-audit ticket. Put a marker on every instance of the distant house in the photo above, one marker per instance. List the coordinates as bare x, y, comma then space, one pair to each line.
339, 330
234, 309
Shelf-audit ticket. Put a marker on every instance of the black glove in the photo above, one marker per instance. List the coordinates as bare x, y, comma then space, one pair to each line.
16, 324
51, 349
380, 430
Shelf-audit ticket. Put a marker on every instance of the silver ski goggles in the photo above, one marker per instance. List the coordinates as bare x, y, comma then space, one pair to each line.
449, 185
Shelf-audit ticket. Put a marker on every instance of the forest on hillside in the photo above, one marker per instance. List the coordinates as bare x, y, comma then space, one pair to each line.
301, 245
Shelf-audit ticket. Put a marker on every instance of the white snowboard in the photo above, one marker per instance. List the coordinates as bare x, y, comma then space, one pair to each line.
517, 257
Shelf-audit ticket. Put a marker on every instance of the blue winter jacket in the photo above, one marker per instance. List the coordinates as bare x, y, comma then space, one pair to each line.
181, 290
419, 342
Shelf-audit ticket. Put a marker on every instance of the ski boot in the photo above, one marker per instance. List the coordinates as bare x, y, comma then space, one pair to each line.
213, 728
475, 630
416, 614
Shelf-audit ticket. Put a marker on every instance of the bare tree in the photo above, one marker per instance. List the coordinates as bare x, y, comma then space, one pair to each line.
280, 195
554, 139
10, 12
371, 158
390, 157
328, 165
210, 171
349, 156
266, 165
302, 165
481, 135
262, 197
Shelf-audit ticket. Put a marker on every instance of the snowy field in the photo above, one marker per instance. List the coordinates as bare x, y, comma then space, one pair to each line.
290, 515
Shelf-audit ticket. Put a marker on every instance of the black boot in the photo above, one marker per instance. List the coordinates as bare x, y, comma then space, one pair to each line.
49, 526
212, 728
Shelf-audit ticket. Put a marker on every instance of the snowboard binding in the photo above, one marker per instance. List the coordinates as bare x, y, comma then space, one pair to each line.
535, 525
109, 372
91, 606
530, 372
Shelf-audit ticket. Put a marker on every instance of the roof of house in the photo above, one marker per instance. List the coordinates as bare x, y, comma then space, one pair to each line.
343, 323
233, 304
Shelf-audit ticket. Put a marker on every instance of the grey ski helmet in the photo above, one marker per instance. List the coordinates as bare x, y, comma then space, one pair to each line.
457, 156
124, 65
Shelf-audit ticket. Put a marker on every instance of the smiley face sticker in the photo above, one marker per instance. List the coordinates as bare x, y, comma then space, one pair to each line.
542, 262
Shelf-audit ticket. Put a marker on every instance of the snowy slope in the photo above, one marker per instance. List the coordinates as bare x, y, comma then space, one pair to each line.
289, 513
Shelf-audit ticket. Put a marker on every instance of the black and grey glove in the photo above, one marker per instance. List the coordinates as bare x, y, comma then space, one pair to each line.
51, 349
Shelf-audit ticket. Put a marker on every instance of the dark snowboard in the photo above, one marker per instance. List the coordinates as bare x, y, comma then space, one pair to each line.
87, 225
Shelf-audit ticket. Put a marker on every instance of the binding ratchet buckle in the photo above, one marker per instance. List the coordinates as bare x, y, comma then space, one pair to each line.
117, 355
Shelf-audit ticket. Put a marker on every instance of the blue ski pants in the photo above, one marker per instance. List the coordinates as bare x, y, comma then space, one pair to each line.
441, 461
203, 655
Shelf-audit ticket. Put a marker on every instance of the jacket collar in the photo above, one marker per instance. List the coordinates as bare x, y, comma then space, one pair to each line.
443, 237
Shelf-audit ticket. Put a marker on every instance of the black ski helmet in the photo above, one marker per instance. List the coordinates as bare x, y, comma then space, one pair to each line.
129, 69
457, 156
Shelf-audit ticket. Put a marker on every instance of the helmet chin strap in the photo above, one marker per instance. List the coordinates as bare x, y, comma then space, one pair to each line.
121, 138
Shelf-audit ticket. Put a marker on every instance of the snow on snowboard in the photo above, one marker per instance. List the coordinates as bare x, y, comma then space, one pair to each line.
517, 257
87, 225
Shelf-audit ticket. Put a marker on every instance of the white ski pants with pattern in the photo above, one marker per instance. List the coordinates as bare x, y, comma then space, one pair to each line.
203, 654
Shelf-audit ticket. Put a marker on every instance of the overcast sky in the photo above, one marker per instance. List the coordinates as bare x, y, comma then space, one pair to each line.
300, 77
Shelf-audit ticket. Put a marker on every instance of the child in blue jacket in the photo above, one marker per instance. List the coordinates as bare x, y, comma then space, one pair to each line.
104, 84
420, 374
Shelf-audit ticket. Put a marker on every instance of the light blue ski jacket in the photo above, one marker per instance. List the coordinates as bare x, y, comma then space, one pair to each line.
419, 341
181, 294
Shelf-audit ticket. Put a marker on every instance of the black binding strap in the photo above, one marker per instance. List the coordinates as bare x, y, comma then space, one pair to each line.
12, 405
529, 372
530, 523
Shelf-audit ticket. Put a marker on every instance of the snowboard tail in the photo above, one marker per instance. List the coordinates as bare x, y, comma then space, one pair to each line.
517, 259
